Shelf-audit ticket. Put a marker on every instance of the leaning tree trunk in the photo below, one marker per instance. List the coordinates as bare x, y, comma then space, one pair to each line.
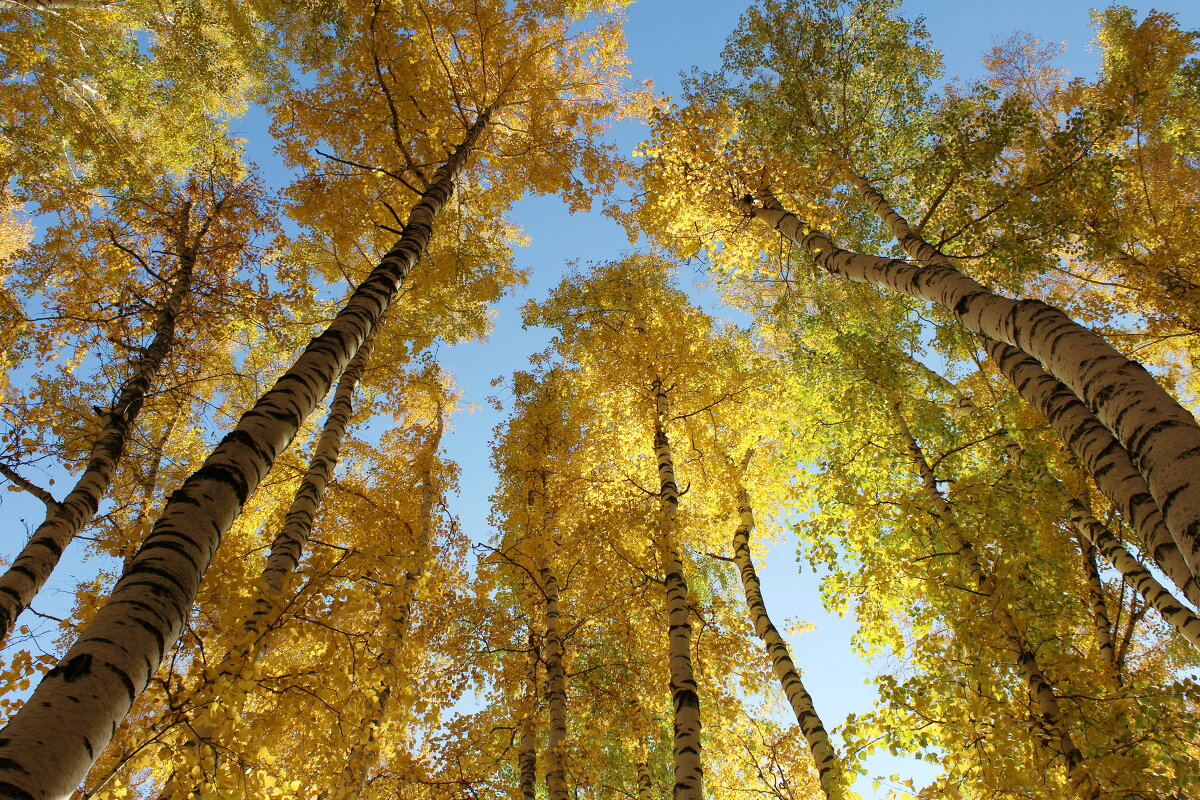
1049, 719
32, 567
689, 773
829, 769
1097, 535
1138, 577
1161, 436
1091, 442
116, 655
1095, 447
1103, 456
282, 562
293, 535
1101, 622
1115, 472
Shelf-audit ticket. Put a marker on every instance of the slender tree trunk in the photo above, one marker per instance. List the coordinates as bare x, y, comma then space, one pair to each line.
640, 752
1161, 436
1111, 463
1101, 623
829, 770
1103, 456
282, 560
289, 542
527, 756
1090, 441
1097, 535
645, 783
689, 773
1134, 574
1049, 718
1093, 445
556, 689
32, 567
116, 655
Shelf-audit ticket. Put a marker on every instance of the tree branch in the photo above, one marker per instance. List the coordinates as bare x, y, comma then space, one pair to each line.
29, 486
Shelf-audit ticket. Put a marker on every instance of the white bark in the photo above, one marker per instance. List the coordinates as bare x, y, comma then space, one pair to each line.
556, 690
1138, 577
829, 769
1103, 456
47, 747
1162, 438
33, 565
689, 772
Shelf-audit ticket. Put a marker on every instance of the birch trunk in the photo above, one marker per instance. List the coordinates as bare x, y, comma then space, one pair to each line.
1134, 574
1097, 535
689, 773
1101, 622
48, 746
1161, 436
640, 752
33, 565
1091, 442
645, 784
1096, 448
282, 561
1103, 456
293, 535
1109, 461
556, 689
824, 756
1049, 719
527, 756
1144, 514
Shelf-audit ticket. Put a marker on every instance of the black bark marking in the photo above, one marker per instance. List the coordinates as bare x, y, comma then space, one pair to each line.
219, 473
74, 669
125, 680
48, 543
7, 790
